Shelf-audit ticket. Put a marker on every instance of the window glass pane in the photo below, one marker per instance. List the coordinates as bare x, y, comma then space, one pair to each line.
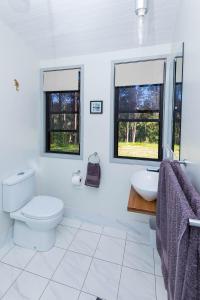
178, 96
177, 135
64, 121
54, 104
64, 142
127, 116
138, 139
69, 102
139, 98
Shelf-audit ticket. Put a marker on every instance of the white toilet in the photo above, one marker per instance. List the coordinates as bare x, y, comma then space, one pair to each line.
35, 218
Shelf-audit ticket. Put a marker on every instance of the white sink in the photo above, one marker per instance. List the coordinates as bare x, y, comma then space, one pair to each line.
145, 183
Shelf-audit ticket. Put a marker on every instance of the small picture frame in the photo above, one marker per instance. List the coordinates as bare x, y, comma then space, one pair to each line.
96, 107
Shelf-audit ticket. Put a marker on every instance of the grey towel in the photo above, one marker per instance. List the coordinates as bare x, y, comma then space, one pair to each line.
93, 175
177, 243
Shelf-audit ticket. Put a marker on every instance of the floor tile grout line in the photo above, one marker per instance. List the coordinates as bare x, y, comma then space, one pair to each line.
156, 289
140, 243
7, 252
63, 284
121, 268
67, 225
106, 234
67, 247
111, 262
92, 230
154, 262
92, 258
99, 259
154, 273
66, 250
112, 236
22, 270
102, 233
90, 264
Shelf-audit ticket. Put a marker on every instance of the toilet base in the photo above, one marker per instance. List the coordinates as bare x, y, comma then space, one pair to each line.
26, 237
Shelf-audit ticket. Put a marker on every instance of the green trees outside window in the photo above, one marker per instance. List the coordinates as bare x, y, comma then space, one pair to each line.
62, 122
138, 122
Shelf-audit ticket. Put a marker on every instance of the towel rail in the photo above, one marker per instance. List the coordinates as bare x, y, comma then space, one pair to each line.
184, 162
194, 223
95, 155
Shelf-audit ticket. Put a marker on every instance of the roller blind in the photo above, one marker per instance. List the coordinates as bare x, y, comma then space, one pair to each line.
61, 80
139, 73
179, 69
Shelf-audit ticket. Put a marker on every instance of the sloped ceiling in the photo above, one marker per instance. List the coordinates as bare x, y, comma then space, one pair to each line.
57, 28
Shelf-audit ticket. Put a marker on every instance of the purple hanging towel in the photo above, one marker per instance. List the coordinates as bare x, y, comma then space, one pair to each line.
93, 175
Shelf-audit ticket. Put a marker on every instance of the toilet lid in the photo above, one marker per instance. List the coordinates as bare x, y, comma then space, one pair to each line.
43, 207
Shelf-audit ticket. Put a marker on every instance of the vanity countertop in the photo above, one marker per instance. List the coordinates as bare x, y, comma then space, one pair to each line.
137, 204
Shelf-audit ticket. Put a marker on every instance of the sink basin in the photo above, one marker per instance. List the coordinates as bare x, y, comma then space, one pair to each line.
145, 183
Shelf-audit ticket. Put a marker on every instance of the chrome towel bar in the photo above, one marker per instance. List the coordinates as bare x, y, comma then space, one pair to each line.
194, 223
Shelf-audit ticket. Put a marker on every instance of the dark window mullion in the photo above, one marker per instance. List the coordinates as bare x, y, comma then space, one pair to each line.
47, 146
139, 120
150, 111
64, 113
116, 123
64, 130
160, 148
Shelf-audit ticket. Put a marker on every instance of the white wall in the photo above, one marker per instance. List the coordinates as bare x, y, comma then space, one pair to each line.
18, 110
188, 24
109, 202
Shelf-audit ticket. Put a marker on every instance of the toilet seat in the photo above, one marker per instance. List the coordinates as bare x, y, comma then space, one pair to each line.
42, 208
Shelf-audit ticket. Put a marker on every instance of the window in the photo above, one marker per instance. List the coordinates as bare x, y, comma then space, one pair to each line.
177, 107
138, 110
62, 93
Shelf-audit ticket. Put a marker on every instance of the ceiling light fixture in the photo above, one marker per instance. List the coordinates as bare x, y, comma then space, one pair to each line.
141, 9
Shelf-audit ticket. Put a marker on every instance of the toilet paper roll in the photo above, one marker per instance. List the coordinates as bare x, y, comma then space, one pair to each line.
76, 180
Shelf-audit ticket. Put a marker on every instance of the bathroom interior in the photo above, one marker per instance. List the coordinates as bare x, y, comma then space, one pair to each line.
100, 161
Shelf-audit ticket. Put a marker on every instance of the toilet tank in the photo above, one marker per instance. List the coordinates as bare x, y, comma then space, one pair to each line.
18, 190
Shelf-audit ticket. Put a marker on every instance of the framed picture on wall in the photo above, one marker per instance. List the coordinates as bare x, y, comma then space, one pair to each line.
96, 107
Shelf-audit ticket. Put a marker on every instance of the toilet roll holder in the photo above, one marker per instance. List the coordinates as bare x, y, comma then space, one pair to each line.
76, 173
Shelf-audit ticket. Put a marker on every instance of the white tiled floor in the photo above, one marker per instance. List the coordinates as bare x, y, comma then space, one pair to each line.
139, 257
88, 261
110, 249
85, 242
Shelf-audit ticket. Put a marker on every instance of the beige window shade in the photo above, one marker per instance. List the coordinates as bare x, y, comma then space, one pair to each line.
62, 80
139, 73
179, 69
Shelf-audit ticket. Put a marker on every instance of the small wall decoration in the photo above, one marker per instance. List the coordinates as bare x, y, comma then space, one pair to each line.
16, 84
96, 107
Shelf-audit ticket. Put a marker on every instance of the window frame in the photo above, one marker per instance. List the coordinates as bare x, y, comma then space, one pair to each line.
174, 110
48, 123
114, 129
44, 120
